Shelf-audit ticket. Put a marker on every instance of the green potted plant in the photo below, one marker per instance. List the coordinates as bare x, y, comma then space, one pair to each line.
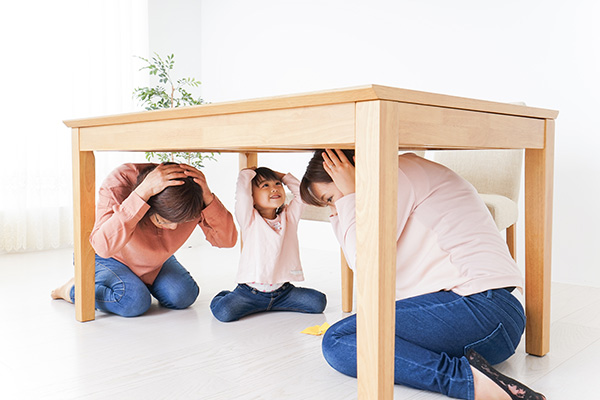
173, 94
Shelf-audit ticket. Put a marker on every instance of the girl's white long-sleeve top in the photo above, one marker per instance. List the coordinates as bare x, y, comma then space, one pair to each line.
268, 256
446, 237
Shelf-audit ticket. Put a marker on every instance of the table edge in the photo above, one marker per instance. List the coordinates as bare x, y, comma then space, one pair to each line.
310, 99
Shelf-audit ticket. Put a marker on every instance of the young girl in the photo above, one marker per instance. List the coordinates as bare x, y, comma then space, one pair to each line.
454, 278
270, 257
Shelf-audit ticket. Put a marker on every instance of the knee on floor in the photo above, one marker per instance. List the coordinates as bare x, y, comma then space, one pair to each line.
134, 307
181, 300
223, 314
220, 312
314, 301
339, 357
319, 303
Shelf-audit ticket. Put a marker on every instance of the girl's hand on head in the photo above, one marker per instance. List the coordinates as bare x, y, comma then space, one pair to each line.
160, 178
340, 169
200, 179
280, 175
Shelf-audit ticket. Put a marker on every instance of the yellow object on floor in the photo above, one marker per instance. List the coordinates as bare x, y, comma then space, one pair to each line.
316, 330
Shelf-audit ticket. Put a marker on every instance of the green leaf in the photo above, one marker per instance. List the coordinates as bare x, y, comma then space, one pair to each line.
155, 98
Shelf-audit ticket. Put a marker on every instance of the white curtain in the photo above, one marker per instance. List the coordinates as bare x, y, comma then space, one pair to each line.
60, 60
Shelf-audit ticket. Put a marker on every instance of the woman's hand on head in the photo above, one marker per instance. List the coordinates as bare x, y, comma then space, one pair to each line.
200, 179
340, 169
159, 179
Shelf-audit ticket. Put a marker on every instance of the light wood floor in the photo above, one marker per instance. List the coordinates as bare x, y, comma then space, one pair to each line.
46, 354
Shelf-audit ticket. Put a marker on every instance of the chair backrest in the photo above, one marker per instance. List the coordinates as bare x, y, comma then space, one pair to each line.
311, 213
489, 171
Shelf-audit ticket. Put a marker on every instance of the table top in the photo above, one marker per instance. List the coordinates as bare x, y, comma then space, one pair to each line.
327, 97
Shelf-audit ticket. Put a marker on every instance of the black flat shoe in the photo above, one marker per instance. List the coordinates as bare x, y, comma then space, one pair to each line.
516, 390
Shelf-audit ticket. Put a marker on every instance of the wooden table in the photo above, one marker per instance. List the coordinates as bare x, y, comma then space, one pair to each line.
376, 121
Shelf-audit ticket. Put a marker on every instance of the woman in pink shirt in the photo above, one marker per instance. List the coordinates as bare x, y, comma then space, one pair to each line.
270, 257
145, 212
455, 313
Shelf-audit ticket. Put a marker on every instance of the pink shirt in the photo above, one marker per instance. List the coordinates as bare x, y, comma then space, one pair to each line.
446, 237
122, 232
270, 252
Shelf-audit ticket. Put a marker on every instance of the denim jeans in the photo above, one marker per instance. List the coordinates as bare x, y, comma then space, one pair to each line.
229, 306
433, 332
120, 291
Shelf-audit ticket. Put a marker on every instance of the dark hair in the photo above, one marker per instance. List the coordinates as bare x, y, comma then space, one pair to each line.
177, 204
315, 173
266, 174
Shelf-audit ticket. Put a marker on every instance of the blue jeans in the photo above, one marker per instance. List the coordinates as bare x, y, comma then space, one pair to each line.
433, 332
120, 291
230, 306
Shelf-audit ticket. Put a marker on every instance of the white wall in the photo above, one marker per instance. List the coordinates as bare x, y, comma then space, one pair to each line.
546, 53
175, 29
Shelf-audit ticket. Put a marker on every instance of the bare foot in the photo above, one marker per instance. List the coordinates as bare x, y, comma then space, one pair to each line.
492, 385
485, 388
63, 292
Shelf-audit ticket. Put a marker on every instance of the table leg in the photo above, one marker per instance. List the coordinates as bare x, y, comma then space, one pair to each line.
84, 204
347, 284
248, 160
539, 172
376, 210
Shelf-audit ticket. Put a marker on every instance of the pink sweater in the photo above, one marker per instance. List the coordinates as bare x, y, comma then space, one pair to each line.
268, 256
446, 237
122, 232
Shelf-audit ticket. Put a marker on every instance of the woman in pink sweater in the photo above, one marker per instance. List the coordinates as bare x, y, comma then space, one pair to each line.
145, 212
454, 278
270, 257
